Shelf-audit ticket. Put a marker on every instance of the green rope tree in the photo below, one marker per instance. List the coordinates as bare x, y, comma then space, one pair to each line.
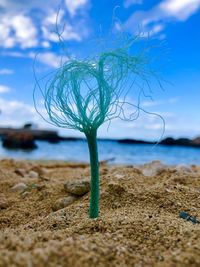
83, 94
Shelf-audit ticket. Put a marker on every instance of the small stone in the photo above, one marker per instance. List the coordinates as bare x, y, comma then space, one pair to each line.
63, 202
25, 194
21, 172
153, 168
78, 188
20, 187
33, 174
40, 187
3, 204
119, 176
38, 169
183, 168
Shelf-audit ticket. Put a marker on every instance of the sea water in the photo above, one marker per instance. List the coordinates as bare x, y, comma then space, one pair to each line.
118, 152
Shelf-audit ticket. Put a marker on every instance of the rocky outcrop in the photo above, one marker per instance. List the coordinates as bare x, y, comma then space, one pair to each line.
16, 140
196, 141
169, 141
176, 142
53, 137
43, 135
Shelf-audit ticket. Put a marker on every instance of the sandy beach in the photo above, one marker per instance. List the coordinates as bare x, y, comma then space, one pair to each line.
43, 224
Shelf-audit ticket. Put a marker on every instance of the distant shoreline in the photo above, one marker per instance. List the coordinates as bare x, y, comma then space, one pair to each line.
53, 137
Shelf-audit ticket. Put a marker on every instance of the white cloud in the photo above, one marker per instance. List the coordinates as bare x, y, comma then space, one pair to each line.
14, 106
180, 9
72, 29
15, 113
6, 71
69, 32
128, 3
47, 58
156, 29
23, 28
153, 21
17, 30
147, 126
160, 102
4, 89
75, 5
13, 54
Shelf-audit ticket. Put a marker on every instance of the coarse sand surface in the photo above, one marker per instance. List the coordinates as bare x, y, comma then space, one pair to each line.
139, 223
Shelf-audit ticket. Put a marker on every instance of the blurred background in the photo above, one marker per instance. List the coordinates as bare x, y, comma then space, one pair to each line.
27, 28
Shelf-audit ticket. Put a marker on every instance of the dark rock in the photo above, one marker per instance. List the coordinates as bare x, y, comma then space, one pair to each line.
43, 135
28, 125
176, 142
21, 172
17, 140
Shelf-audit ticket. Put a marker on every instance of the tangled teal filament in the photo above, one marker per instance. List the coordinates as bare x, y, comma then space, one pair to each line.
83, 94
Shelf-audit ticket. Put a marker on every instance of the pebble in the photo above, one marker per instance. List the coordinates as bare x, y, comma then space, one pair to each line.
33, 174
63, 202
119, 176
20, 187
153, 168
21, 172
3, 204
79, 187
25, 194
183, 168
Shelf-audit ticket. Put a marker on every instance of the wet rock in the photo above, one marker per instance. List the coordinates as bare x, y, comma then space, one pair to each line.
153, 168
33, 174
20, 187
78, 188
63, 202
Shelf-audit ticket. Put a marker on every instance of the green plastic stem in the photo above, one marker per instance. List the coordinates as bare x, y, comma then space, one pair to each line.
94, 172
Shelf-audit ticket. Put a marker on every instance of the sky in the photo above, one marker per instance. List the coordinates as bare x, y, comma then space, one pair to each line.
27, 29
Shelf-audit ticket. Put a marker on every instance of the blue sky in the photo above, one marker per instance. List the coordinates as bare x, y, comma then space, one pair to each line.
28, 27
